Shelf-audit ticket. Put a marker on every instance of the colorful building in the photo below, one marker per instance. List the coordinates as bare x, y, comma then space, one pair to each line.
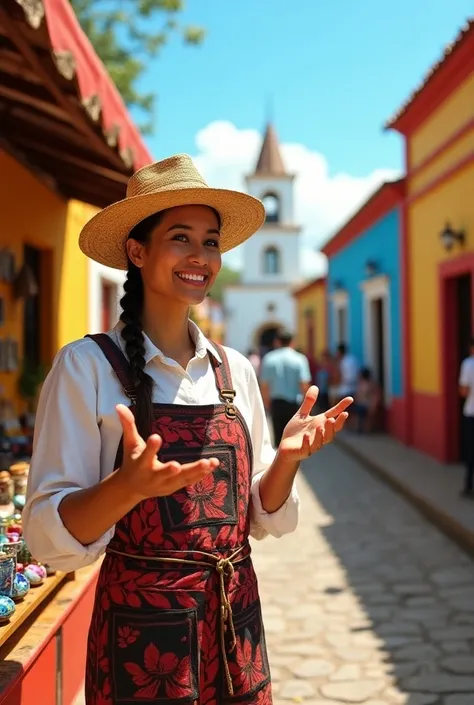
67, 148
311, 318
363, 293
437, 123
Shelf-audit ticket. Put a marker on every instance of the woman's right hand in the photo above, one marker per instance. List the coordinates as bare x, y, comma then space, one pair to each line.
146, 475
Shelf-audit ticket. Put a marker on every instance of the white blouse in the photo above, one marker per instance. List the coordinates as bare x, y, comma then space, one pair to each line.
77, 433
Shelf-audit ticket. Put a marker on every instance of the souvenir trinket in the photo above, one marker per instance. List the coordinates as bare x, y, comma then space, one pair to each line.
7, 573
7, 608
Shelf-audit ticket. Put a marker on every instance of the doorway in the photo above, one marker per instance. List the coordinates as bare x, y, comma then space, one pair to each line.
457, 278
267, 339
463, 303
378, 353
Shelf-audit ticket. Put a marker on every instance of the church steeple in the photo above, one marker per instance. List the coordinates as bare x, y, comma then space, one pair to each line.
270, 162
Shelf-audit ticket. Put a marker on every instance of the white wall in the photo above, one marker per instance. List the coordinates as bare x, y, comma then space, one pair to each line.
97, 273
246, 311
253, 260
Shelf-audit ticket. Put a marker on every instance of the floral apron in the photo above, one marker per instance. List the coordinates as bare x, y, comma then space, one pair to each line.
177, 615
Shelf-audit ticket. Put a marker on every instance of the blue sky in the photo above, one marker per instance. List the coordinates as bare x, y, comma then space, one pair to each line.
336, 71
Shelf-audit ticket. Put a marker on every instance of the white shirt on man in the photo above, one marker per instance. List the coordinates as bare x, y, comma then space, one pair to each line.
466, 379
77, 434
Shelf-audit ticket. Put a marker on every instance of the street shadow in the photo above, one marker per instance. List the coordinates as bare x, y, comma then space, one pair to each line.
413, 586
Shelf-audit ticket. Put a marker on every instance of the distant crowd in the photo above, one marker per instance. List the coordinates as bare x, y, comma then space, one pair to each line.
285, 373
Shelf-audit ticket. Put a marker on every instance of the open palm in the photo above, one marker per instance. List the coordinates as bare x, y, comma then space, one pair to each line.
305, 434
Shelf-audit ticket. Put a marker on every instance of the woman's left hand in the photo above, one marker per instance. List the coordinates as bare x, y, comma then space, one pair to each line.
305, 434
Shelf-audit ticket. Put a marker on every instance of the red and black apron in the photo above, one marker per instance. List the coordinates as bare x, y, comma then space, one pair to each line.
177, 615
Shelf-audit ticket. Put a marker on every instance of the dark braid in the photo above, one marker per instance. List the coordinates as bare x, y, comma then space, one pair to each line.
132, 332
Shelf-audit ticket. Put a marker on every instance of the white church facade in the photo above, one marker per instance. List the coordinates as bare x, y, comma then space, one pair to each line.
262, 302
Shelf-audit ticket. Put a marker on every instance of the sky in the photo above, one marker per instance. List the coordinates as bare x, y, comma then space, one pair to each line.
329, 74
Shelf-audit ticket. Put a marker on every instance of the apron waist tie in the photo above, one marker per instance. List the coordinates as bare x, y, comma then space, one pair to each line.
225, 570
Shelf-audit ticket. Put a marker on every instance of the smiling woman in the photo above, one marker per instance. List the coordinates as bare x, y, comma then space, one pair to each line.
152, 447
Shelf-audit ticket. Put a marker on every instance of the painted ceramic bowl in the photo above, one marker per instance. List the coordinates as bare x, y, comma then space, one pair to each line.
34, 578
21, 586
39, 569
7, 608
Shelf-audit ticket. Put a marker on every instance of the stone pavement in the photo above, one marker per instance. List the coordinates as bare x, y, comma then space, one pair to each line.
367, 602
432, 486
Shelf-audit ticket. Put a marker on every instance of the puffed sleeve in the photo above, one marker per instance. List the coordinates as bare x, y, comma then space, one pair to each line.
66, 458
285, 519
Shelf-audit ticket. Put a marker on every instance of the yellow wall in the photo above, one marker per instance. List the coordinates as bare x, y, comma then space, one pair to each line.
447, 119
74, 301
34, 215
313, 298
452, 201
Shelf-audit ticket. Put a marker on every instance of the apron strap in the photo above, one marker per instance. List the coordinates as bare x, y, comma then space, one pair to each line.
223, 377
118, 362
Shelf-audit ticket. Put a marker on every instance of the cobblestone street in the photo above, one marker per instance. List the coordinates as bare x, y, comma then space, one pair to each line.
367, 602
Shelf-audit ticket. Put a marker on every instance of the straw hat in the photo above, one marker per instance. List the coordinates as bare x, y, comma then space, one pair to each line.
172, 182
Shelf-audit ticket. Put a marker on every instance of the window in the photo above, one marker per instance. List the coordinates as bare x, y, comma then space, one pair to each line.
340, 319
109, 296
271, 261
271, 203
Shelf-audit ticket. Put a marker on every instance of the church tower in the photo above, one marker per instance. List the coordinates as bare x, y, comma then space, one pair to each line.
262, 302
272, 256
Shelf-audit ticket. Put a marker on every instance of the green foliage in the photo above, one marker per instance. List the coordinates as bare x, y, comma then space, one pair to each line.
226, 277
30, 379
124, 36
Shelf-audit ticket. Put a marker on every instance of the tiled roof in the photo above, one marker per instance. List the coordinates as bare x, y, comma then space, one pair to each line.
448, 50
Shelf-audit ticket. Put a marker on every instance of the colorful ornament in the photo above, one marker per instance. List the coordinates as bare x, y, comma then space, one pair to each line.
7, 573
21, 586
7, 608
33, 576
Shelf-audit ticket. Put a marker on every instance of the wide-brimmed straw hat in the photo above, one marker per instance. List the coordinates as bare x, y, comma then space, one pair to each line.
172, 182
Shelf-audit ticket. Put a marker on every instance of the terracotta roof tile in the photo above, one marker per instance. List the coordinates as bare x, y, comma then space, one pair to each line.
463, 32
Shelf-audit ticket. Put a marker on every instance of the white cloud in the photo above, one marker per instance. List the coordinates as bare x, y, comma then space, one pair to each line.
323, 201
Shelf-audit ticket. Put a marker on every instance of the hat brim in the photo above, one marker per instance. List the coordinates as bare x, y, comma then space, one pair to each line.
103, 238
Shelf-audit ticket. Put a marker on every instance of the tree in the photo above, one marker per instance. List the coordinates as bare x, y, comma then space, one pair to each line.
226, 277
124, 36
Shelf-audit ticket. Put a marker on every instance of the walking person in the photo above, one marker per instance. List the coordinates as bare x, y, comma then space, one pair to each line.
151, 446
466, 388
285, 378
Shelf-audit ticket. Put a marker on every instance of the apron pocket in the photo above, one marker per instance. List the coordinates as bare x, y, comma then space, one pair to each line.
154, 655
248, 661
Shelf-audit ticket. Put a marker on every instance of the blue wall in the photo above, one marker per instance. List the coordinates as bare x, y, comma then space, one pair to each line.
381, 244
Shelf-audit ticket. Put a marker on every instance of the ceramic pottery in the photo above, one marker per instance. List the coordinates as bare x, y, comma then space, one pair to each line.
7, 572
21, 586
33, 576
39, 569
19, 501
7, 608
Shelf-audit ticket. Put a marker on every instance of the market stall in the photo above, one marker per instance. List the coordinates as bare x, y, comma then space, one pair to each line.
67, 147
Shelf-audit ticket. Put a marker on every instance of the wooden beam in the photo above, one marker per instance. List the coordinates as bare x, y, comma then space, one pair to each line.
13, 63
62, 157
78, 116
16, 96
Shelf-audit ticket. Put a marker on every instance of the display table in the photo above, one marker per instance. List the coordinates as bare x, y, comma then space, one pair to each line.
43, 647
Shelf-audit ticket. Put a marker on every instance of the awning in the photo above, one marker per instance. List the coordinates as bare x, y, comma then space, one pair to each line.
60, 112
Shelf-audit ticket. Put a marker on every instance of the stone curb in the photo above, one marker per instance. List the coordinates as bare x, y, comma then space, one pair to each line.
443, 521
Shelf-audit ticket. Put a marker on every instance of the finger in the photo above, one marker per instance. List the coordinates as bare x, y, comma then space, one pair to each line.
340, 421
306, 445
153, 445
339, 408
329, 430
309, 401
318, 439
131, 437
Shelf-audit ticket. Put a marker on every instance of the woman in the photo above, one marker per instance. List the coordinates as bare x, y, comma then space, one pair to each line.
181, 422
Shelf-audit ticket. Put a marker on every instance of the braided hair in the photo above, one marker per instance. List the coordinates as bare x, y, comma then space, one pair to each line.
132, 331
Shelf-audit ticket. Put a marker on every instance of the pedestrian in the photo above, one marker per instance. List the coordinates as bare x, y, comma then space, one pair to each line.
367, 402
285, 378
152, 447
348, 371
466, 388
